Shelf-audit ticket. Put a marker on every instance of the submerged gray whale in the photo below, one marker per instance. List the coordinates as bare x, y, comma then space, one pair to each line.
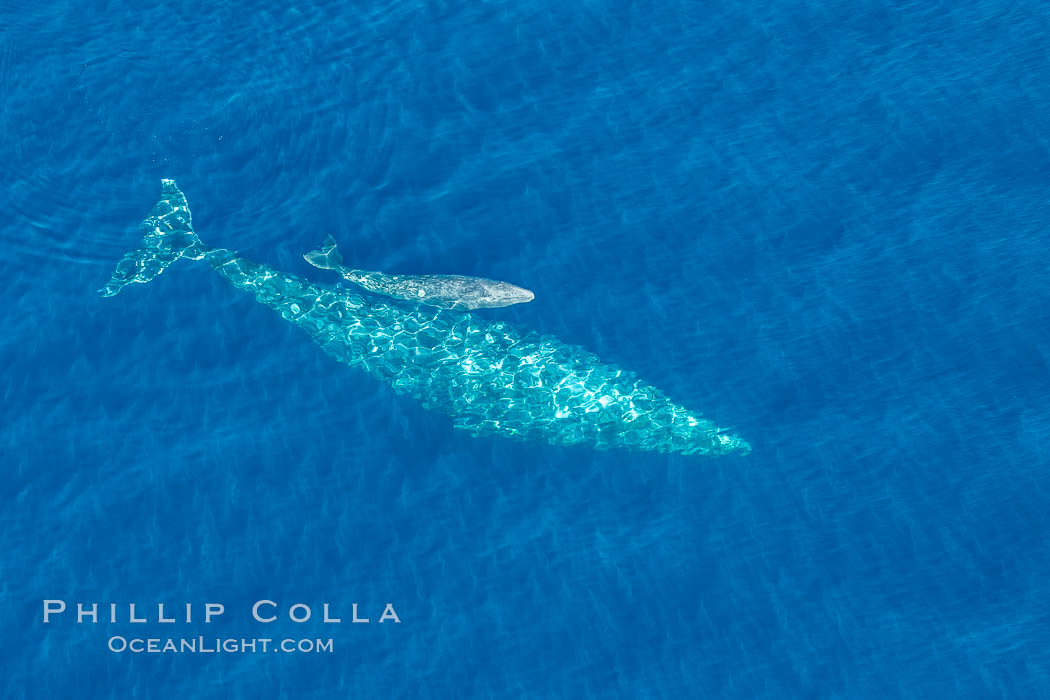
442, 291
490, 377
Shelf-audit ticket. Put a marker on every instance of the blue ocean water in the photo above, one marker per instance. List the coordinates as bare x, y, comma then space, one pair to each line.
821, 224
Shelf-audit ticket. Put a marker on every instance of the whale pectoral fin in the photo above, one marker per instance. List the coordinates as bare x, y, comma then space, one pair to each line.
327, 258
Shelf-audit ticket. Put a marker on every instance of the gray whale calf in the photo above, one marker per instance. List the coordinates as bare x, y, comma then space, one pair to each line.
442, 291
491, 378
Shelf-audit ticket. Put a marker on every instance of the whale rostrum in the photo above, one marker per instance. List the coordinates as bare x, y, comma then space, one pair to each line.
442, 291
490, 377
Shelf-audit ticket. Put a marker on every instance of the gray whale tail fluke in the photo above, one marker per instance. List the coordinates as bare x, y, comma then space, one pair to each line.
167, 235
327, 258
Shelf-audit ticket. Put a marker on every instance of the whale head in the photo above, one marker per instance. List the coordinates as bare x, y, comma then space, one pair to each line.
499, 294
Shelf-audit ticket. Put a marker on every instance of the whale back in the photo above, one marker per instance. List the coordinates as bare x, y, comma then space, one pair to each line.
492, 378
442, 291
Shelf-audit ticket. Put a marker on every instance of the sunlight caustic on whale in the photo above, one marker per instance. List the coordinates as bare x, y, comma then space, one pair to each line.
490, 377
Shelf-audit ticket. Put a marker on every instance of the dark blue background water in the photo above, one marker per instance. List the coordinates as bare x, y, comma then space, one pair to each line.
824, 225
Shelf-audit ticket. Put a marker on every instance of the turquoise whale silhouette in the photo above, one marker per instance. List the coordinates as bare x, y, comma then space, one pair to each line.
490, 377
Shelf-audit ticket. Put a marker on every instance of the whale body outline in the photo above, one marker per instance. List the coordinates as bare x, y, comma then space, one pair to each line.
442, 291
492, 378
